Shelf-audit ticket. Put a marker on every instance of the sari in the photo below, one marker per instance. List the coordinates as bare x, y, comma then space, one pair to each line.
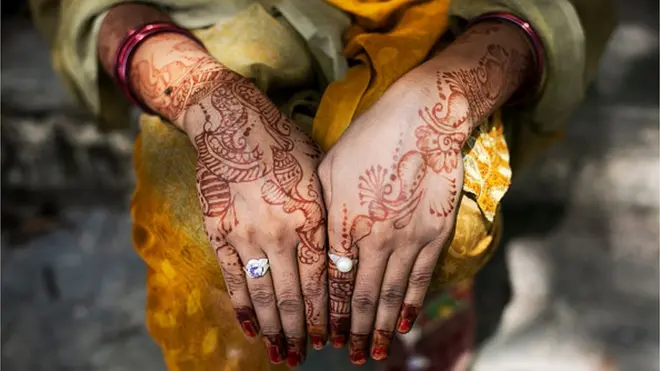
188, 312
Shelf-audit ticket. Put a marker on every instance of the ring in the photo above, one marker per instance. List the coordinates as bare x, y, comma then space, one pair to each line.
344, 264
256, 268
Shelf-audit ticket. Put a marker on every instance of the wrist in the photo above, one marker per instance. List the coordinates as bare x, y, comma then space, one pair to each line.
169, 72
198, 88
489, 63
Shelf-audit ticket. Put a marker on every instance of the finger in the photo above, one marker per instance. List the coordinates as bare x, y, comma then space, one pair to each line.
312, 260
289, 302
392, 292
418, 284
263, 299
234, 277
365, 298
340, 284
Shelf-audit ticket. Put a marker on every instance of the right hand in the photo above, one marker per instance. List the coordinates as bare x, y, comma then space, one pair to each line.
261, 198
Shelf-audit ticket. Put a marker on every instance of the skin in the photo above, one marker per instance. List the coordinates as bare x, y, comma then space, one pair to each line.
255, 168
392, 214
395, 211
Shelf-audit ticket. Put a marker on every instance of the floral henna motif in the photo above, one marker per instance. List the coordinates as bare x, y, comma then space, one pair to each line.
465, 97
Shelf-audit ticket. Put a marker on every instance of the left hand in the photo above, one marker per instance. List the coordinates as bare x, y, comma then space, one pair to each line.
393, 182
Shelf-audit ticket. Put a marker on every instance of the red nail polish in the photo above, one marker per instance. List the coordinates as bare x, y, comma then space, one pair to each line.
338, 341
274, 354
379, 353
404, 326
318, 342
358, 357
293, 359
248, 328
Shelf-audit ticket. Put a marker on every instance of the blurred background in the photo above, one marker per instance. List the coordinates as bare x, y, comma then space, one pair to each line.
575, 286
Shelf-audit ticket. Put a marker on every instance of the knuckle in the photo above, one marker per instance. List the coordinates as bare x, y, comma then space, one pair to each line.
289, 303
262, 296
421, 279
250, 233
234, 281
363, 302
270, 330
313, 289
324, 169
392, 297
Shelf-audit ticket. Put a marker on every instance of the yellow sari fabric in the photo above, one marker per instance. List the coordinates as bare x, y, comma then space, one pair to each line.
189, 313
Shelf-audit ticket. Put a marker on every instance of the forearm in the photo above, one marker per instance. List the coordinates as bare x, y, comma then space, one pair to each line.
487, 65
166, 70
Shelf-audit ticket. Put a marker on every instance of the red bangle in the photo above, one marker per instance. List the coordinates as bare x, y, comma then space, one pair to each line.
133, 39
538, 52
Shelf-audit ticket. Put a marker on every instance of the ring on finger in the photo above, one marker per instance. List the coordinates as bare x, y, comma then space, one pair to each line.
344, 264
256, 268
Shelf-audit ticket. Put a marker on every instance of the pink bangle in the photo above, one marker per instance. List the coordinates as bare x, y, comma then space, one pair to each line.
133, 39
538, 55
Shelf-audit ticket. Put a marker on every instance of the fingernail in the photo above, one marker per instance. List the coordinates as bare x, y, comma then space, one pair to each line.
295, 353
275, 346
318, 341
293, 359
407, 318
248, 328
379, 353
274, 354
248, 321
339, 329
338, 341
357, 348
404, 326
381, 344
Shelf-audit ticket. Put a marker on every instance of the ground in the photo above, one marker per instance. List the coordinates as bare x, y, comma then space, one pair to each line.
581, 244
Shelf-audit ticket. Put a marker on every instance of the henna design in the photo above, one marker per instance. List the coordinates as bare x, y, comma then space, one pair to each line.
381, 344
175, 86
358, 348
466, 96
392, 192
340, 289
227, 157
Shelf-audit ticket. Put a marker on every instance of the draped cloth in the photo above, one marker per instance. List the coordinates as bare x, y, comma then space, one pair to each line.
286, 45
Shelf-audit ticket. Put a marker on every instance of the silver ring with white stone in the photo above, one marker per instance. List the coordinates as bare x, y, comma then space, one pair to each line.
344, 264
256, 268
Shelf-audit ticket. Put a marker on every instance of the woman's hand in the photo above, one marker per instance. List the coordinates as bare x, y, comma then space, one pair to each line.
261, 199
258, 189
393, 182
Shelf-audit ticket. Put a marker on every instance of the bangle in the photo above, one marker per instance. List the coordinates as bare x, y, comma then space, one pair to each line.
538, 54
133, 39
